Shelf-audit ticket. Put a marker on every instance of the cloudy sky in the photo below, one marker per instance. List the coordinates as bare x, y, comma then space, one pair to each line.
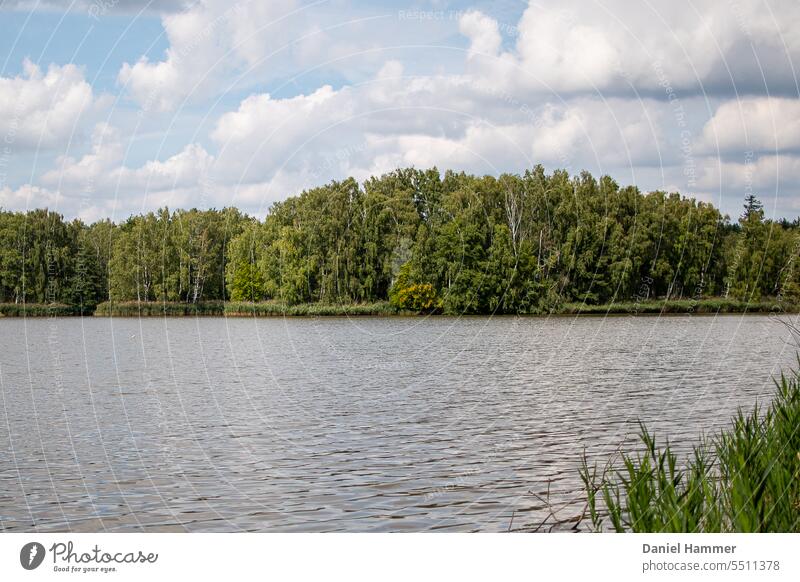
110, 107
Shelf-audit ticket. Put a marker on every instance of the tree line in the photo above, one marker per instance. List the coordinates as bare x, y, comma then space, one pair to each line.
423, 240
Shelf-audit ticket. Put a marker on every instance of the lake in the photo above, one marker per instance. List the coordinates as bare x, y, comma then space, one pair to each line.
337, 424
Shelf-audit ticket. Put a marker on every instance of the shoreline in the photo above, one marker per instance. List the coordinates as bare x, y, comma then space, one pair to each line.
705, 307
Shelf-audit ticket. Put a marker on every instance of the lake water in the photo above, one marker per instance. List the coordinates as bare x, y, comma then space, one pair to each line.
336, 424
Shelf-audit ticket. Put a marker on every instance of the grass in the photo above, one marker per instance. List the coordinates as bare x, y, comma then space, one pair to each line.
270, 308
746, 479
239, 309
37, 310
710, 305
159, 309
275, 308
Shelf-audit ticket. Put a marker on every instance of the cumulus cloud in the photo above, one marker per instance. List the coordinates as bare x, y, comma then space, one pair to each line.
482, 32
400, 120
754, 124
102, 173
208, 40
773, 178
619, 87
764, 175
103, 167
106, 151
43, 109
27, 197
559, 46
574, 46
217, 46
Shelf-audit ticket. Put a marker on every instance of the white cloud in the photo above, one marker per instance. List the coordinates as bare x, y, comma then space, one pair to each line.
217, 46
764, 175
43, 110
101, 173
186, 169
482, 32
559, 90
563, 53
268, 144
757, 123
774, 179
207, 41
561, 46
105, 152
575, 46
27, 197
258, 113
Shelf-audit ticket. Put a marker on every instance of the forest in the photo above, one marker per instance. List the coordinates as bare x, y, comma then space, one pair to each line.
421, 240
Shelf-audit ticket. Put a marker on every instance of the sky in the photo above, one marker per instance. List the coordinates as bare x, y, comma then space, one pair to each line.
115, 107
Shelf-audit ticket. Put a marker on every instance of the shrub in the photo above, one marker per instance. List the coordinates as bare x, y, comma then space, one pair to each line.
409, 295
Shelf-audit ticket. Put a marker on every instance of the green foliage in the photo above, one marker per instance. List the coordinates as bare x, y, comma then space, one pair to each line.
419, 297
515, 244
85, 286
511, 244
407, 294
246, 283
37, 257
746, 480
179, 256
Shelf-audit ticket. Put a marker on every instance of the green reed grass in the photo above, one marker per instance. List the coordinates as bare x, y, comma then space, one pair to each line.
159, 309
746, 479
707, 305
37, 310
271, 308
240, 309
277, 308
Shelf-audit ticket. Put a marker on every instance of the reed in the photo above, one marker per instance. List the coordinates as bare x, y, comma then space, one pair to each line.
669, 306
277, 308
240, 309
270, 308
746, 479
159, 309
37, 310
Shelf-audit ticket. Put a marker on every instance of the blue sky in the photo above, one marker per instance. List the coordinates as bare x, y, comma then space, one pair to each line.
113, 107
100, 48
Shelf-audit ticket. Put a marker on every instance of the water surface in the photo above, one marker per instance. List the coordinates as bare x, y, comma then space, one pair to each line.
337, 424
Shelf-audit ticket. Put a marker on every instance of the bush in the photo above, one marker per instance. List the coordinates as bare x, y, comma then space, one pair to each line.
409, 295
417, 297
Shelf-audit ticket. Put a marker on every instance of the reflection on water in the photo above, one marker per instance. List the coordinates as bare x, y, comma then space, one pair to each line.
331, 424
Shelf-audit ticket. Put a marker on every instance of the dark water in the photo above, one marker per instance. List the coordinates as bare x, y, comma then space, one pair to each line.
337, 424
